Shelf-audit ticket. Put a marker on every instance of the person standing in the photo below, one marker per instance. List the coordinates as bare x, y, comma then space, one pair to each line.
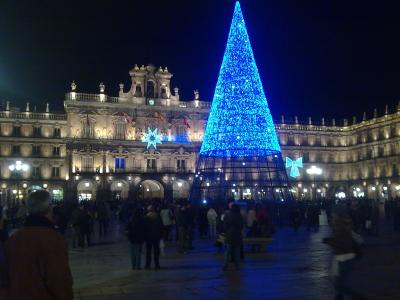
103, 216
396, 215
153, 235
212, 223
233, 225
181, 220
136, 235
202, 221
251, 221
75, 220
166, 217
190, 222
37, 255
85, 227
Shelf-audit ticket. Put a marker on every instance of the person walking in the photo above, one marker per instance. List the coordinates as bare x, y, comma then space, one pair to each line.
212, 223
37, 255
153, 235
233, 225
345, 249
136, 235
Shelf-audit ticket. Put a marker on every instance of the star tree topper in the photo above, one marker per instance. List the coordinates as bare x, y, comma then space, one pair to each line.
152, 138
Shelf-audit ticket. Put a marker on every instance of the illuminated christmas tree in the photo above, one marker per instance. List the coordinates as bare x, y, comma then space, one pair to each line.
240, 156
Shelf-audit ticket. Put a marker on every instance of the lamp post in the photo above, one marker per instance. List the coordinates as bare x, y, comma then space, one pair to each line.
17, 168
314, 171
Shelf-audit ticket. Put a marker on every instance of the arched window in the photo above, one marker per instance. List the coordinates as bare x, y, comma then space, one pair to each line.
150, 89
164, 93
138, 91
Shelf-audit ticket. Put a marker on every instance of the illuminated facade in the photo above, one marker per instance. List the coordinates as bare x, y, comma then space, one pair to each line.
99, 145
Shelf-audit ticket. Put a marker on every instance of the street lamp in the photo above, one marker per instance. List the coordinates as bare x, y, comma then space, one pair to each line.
314, 171
17, 168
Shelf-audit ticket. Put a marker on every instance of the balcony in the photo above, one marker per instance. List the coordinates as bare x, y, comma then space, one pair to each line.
134, 170
85, 97
32, 116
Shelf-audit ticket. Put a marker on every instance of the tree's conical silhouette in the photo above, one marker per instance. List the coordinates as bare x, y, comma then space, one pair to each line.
240, 155
240, 122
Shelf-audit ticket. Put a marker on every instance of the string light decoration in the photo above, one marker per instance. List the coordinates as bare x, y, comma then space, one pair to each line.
240, 123
240, 156
152, 138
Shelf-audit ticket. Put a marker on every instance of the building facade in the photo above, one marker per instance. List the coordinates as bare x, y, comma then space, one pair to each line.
145, 142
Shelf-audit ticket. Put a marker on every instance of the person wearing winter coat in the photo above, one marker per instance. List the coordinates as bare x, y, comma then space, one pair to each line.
136, 235
212, 223
233, 225
37, 255
153, 234
166, 217
251, 221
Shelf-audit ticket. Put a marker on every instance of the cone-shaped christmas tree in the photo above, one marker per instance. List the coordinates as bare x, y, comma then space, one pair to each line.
240, 157
240, 123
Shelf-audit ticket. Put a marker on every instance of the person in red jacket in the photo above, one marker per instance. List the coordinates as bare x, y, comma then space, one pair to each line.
37, 256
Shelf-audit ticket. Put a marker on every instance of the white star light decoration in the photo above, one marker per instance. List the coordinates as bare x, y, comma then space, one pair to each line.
152, 138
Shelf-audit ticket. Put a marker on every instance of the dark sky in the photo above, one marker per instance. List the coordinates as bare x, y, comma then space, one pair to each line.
329, 58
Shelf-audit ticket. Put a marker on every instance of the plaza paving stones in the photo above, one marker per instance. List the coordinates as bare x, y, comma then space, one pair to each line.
296, 266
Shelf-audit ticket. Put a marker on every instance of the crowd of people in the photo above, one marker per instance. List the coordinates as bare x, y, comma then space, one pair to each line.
37, 229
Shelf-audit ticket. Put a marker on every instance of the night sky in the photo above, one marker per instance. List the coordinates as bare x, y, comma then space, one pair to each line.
329, 58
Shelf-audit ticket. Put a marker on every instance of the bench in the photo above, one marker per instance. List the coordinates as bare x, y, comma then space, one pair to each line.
260, 242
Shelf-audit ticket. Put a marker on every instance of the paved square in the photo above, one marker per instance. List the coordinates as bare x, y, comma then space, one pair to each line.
296, 266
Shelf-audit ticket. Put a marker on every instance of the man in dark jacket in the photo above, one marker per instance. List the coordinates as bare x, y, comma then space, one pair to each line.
153, 235
233, 225
136, 234
37, 255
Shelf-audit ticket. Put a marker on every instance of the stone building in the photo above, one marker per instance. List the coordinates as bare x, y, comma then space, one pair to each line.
144, 144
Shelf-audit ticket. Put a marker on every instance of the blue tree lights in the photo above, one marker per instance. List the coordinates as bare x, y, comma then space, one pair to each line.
240, 123
240, 157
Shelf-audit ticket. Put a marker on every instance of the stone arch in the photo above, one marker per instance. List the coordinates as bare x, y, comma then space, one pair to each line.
150, 189
86, 190
358, 190
180, 189
119, 189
